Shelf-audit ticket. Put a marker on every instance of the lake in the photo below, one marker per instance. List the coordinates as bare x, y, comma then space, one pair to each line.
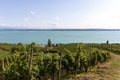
41, 37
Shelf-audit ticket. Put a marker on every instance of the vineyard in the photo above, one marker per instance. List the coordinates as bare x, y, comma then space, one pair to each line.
58, 62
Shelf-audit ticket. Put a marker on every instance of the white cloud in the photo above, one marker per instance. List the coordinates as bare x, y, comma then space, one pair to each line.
1, 17
57, 18
32, 12
103, 16
26, 19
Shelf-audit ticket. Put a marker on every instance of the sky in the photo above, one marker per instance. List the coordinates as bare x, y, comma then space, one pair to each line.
57, 14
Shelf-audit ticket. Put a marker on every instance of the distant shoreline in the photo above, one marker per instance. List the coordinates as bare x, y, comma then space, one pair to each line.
59, 29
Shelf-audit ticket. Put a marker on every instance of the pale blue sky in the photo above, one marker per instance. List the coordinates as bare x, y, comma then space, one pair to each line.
60, 13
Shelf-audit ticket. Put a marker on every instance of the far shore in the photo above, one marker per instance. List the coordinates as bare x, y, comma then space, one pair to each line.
88, 29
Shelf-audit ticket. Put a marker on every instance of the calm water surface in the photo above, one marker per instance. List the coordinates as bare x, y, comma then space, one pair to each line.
41, 37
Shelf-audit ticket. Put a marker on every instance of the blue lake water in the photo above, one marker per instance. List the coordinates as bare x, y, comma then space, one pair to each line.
41, 37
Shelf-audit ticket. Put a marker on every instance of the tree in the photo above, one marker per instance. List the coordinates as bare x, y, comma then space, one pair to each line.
107, 42
49, 43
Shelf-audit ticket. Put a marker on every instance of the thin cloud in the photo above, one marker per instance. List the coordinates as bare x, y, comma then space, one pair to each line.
26, 19
57, 18
53, 24
1, 17
32, 12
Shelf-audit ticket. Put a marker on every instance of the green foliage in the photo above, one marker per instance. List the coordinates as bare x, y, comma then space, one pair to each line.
115, 48
68, 61
49, 43
17, 69
76, 58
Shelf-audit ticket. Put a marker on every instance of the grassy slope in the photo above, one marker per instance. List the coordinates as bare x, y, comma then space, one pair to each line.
107, 71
